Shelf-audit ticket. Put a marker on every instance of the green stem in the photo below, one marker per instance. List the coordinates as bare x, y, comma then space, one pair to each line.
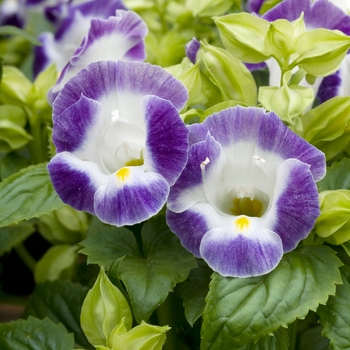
25, 256
293, 330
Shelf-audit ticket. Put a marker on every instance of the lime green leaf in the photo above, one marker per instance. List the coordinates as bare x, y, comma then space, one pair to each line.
321, 51
12, 136
105, 244
268, 5
11, 235
229, 74
194, 291
337, 176
34, 334
335, 315
244, 35
103, 309
277, 341
142, 337
27, 194
324, 125
240, 310
208, 8
14, 87
150, 276
61, 302
333, 223
57, 262
11, 30
14, 114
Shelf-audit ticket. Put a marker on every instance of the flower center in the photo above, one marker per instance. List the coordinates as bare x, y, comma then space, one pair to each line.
248, 207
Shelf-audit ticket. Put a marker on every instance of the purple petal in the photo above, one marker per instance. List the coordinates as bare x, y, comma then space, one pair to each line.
103, 79
329, 87
167, 138
191, 49
80, 119
75, 180
240, 124
295, 207
131, 198
254, 5
243, 255
288, 9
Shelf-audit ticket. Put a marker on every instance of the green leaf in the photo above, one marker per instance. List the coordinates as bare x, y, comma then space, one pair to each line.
194, 291
57, 262
105, 244
243, 34
61, 302
335, 315
11, 163
337, 176
27, 194
10, 236
103, 309
34, 334
277, 341
11, 30
12, 136
150, 276
240, 310
312, 339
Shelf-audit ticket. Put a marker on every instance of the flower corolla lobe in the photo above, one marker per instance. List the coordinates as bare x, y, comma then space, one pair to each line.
248, 192
120, 140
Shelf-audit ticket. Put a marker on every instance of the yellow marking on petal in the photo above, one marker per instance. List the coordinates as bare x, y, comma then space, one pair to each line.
242, 224
122, 174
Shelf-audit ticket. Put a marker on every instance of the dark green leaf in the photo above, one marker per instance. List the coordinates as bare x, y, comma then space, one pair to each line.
105, 244
34, 334
337, 177
194, 291
312, 339
27, 194
335, 315
61, 302
11, 30
240, 310
10, 236
278, 341
11, 163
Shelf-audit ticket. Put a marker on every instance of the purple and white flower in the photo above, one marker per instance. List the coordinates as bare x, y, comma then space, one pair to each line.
58, 48
120, 140
118, 37
248, 193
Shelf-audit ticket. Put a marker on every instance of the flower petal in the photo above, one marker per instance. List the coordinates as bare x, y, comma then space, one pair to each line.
247, 254
265, 130
167, 138
75, 180
295, 205
118, 37
81, 120
130, 196
125, 83
192, 48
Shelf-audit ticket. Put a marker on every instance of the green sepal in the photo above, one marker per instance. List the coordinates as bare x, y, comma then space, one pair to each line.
57, 263
335, 315
208, 8
321, 51
286, 101
14, 87
228, 74
268, 5
142, 337
34, 334
326, 126
103, 309
15, 114
240, 310
65, 225
279, 39
333, 224
27, 194
244, 35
